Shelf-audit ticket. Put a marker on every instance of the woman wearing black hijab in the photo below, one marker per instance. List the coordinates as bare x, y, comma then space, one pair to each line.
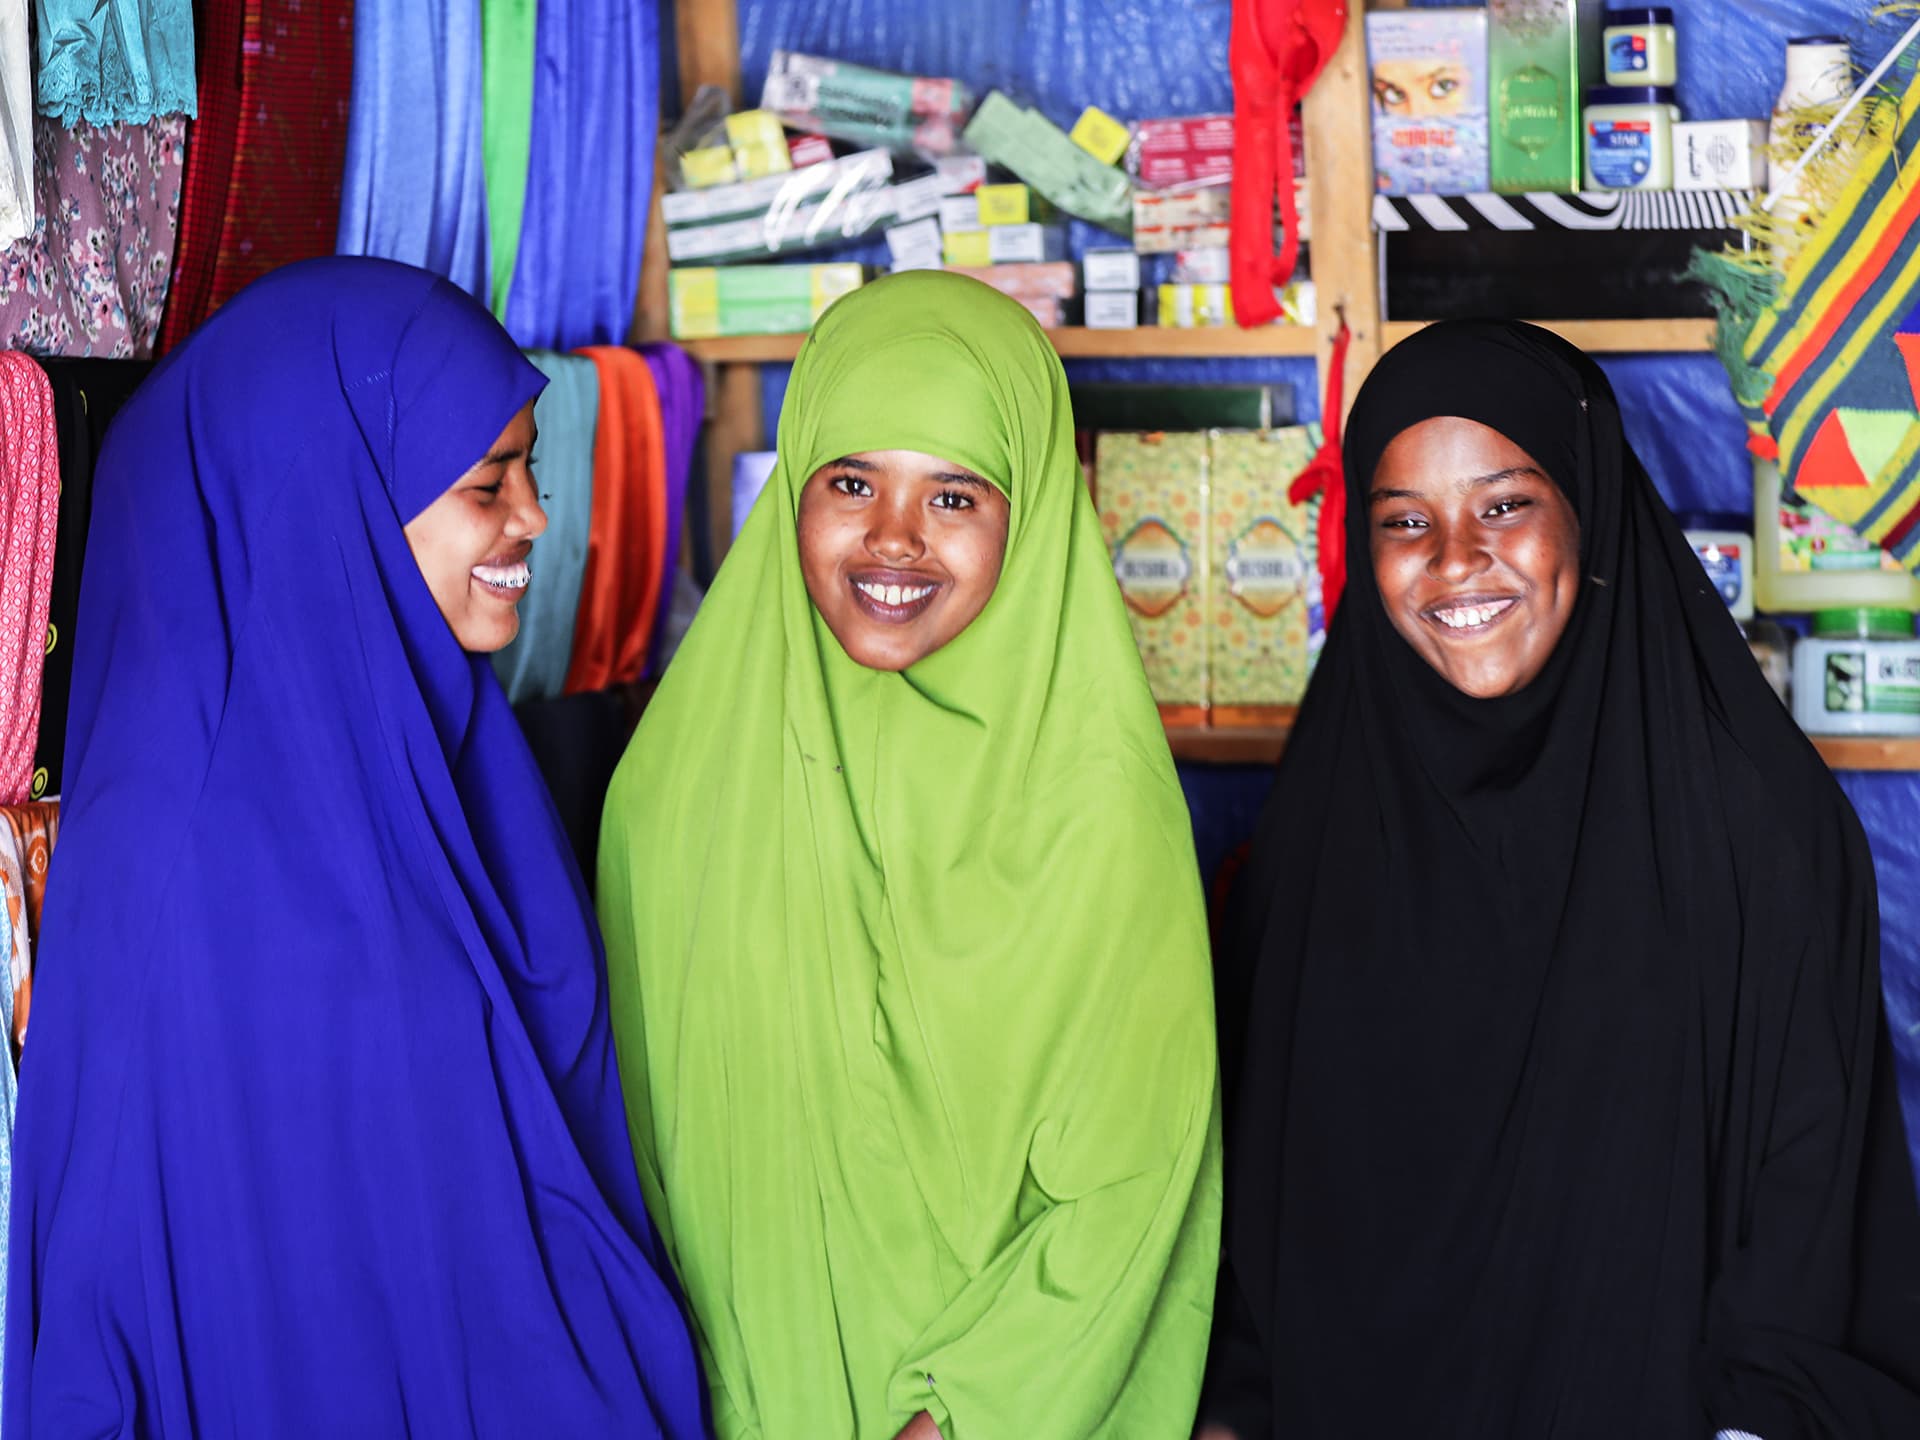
1565, 1106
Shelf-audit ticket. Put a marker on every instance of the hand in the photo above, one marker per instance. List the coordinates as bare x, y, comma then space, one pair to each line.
921, 1427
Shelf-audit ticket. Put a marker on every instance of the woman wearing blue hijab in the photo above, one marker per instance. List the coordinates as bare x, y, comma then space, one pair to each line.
320, 1131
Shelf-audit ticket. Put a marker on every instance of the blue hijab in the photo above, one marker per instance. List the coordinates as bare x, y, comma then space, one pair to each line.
320, 1131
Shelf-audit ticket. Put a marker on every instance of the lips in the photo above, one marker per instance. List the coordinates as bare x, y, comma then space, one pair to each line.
893, 597
504, 575
1469, 615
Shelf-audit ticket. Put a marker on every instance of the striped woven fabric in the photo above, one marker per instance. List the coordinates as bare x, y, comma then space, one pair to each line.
1840, 348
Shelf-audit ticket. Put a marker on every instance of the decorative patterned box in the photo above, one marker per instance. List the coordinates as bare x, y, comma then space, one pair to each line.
1152, 494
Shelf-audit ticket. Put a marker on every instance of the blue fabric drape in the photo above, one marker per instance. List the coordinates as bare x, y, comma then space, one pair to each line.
105, 61
321, 1134
534, 666
414, 188
590, 173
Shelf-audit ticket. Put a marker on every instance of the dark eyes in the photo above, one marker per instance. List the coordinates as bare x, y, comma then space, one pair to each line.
953, 500
1499, 510
852, 485
858, 489
1443, 87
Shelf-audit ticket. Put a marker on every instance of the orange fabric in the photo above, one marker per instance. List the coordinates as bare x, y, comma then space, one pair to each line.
28, 835
627, 540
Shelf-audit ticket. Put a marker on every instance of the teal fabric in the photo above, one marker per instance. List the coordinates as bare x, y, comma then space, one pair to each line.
104, 61
534, 666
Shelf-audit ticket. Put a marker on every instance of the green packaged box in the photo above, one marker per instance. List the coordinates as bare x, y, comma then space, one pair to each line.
1038, 151
1533, 94
705, 302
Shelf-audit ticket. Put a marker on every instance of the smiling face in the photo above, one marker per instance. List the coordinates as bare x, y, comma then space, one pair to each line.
472, 543
901, 551
1476, 553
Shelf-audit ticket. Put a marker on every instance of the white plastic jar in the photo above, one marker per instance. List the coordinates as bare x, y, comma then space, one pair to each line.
1724, 544
1858, 674
1627, 133
1639, 45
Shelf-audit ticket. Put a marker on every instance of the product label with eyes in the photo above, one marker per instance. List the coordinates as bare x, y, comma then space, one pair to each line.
1620, 152
1870, 682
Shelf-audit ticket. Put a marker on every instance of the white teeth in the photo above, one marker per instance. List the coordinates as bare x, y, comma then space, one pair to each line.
505, 577
1469, 617
894, 595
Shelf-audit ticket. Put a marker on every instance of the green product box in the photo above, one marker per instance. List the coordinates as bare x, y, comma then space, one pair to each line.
707, 302
1533, 94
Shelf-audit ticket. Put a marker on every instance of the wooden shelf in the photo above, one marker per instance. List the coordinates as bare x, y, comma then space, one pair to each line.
1226, 745
1074, 342
1603, 336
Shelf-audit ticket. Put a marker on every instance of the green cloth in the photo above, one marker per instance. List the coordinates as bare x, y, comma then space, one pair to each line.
910, 976
506, 137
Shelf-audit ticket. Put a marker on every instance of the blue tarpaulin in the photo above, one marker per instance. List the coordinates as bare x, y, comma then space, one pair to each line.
1136, 58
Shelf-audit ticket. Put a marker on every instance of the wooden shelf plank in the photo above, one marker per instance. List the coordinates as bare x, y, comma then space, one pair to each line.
1223, 745
1604, 336
1074, 342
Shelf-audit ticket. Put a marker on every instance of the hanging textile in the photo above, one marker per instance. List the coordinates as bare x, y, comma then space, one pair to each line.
508, 33
283, 202
12, 946
16, 123
415, 187
114, 61
590, 176
29, 510
565, 417
27, 837
324, 1135
211, 142
682, 389
626, 547
91, 277
87, 394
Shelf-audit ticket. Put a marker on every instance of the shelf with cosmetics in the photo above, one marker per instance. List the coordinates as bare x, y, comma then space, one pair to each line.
1249, 745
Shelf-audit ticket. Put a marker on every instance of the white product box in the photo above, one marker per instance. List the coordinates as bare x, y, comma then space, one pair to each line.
1019, 244
960, 214
1203, 267
915, 246
1720, 155
1110, 270
1113, 309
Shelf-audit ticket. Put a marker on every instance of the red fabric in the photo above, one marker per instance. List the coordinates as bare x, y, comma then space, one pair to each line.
283, 203
1326, 477
1275, 49
627, 538
265, 157
29, 510
219, 25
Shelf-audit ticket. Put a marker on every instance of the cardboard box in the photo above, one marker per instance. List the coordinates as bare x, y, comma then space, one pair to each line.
1195, 220
1110, 270
1720, 155
809, 150
705, 302
759, 144
1268, 622
1051, 281
1428, 70
871, 169
1187, 152
1004, 204
916, 246
965, 249
1202, 267
1534, 92
1113, 309
1185, 307
1024, 244
1100, 135
864, 106
1153, 510
960, 214
1025, 142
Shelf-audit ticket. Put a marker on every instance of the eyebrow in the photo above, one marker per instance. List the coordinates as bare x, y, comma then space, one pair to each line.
1512, 472
965, 478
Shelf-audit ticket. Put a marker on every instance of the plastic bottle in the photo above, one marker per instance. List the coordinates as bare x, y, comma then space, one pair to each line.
1628, 137
1858, 674
1724, 544
1806, 560
1819, 72
1640, 45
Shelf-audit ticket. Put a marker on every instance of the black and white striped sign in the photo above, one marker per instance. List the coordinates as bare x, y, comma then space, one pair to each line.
1599, 210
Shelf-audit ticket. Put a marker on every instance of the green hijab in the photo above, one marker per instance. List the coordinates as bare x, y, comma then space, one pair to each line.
909, 971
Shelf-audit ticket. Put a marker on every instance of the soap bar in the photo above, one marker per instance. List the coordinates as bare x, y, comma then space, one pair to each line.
1153, 508
1720, 155
1100, 135
1534, 89
1429, 79
1268, 623
1034, 148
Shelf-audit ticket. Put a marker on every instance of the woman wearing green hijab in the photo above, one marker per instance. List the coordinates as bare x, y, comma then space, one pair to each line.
909, 963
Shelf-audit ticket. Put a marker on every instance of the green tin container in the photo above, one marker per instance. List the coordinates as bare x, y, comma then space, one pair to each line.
1533, 94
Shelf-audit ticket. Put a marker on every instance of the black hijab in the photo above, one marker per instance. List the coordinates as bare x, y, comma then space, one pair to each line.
1564, 1106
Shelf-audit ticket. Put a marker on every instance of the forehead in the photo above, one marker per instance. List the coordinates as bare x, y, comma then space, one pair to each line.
1449, 447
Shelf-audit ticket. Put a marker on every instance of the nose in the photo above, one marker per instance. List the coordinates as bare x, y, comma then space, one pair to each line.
1457, 554
529, 519
894, 534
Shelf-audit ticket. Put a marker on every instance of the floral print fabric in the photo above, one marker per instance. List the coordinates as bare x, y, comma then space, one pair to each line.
91, 277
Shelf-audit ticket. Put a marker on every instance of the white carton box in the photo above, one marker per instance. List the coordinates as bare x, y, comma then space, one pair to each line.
1110, 270
1720, 155
960, 214
1113, 309
915, 246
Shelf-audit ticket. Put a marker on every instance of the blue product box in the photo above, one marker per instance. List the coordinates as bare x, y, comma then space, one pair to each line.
1427, 70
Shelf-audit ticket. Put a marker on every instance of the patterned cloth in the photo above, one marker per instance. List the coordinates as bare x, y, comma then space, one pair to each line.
27, 836
91, 277
1839, 348
107, 61
29, 512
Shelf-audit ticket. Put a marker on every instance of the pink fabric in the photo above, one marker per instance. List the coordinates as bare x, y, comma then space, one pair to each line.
29, 507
